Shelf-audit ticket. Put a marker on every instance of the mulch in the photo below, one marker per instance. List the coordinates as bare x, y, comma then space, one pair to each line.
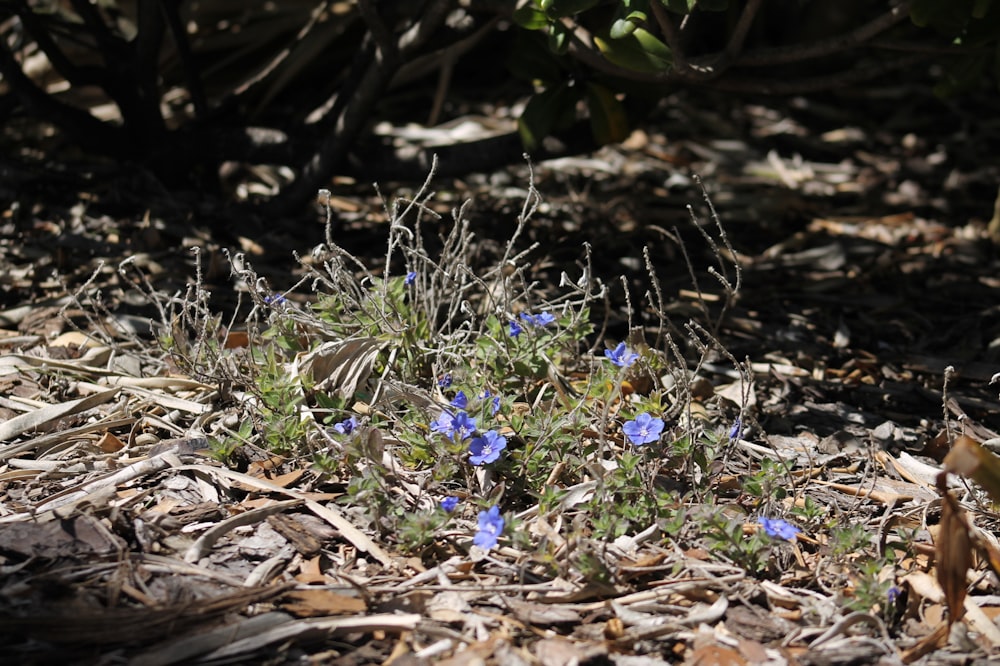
867, 314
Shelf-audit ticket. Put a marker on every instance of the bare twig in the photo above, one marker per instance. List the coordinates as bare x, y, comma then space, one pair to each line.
798, 52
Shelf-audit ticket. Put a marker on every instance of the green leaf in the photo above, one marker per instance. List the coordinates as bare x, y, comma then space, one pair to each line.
531, 60
558, 38
608, 120
530, 18
548, 111
639, 51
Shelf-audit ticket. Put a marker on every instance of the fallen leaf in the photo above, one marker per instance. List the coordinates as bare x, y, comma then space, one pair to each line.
954, 556
318, 602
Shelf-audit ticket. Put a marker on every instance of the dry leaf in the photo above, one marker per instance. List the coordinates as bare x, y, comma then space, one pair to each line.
318, 603
109, 443
954, 556
968, 458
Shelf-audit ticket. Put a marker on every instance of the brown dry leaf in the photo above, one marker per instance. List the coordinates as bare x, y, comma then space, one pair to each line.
954, 556
708, 652
109, 443
968, 458
236, 340
563, 652
318, 603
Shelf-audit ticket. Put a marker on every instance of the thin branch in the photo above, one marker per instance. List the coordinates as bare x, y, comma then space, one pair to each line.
384, 40
87, 129
171, 9
739, 36
743, 84
76, 75
358, 104
799, 52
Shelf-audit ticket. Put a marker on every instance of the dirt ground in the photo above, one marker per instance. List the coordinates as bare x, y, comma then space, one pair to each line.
867, 270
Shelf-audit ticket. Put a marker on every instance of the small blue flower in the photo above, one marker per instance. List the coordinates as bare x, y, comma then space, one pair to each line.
464, 425
444, 424
449, 503
539, 320
410, 277
459, 426
276, 299
777, 528
515, 329
893, 594
347, 426
486, 449
621, 356
490, 528
494, 403
643, 430
736, 432
445, 380
460, 400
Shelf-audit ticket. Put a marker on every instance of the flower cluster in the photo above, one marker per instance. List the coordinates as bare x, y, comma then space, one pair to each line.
540, 320
490, 527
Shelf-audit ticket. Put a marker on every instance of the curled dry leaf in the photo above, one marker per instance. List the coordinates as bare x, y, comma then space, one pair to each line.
954, 556
968, 458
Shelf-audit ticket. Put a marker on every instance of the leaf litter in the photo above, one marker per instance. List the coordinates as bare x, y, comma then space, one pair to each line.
124, 537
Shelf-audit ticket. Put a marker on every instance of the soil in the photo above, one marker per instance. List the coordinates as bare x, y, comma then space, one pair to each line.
856, 224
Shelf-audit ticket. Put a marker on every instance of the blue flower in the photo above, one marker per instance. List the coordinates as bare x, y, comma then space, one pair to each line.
276, 299
445, 380
621, 356
543, 319
644, 429
490, 528
494, 404
893, 595
449, 503
464, 425
486, 449
736, 432
410, 277
347, 426
777, 528
515, 329
459, 426
460, 400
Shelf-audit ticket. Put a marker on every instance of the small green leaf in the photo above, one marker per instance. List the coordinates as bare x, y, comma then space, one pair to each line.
621, 28
548, 111
558, 38
639, 51
530, 18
